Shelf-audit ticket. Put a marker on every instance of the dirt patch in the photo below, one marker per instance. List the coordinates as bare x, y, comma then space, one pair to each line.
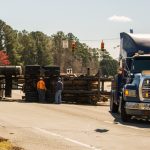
16, 148
5, 144
3, 139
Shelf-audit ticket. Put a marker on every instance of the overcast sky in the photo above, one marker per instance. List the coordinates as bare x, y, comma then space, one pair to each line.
90, 20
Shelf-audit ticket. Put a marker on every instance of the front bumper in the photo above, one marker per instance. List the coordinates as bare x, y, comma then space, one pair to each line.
138, 109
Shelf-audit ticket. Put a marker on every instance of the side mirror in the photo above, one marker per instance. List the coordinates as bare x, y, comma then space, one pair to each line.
130, 78
131, 75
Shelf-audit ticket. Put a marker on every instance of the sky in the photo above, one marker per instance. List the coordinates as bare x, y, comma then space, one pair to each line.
90, 20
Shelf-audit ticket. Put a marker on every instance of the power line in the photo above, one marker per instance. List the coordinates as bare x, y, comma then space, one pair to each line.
105, 39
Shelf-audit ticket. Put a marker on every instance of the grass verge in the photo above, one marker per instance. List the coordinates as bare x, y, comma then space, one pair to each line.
7, 145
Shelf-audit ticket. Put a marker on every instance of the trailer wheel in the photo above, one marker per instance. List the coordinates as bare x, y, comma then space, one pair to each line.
92, 101
124, 116
113, 105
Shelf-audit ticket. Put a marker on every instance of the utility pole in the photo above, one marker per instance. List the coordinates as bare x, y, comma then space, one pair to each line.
99, 83
102, 49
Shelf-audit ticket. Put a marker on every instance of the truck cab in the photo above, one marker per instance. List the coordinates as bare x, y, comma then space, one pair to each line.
130, 93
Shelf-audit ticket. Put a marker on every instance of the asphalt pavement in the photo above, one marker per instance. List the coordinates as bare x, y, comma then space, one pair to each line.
36, 126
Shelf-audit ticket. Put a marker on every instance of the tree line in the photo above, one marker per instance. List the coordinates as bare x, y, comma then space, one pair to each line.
36, 48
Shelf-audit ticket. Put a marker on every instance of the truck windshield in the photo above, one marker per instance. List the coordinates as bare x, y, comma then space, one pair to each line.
140, 64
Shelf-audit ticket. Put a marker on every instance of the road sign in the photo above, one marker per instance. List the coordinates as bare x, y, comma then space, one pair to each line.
65, 43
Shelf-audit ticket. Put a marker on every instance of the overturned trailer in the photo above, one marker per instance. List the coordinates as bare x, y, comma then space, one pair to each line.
32, 75
84, 89
87, 89
9, 79
12, 78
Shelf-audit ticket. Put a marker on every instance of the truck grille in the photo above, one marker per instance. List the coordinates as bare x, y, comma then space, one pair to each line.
146, 89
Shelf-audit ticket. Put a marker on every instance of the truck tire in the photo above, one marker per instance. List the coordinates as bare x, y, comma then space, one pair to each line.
113, 105
124, 117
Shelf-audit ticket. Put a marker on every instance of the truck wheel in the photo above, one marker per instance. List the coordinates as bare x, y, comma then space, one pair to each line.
124, 117
113, 105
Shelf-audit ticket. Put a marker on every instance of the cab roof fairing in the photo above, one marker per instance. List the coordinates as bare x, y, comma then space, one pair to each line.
132, 43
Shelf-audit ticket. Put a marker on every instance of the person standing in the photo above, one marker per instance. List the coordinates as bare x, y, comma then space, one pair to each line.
41, 88
59, 88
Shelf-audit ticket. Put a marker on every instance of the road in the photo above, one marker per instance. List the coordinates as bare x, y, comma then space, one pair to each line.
36, 126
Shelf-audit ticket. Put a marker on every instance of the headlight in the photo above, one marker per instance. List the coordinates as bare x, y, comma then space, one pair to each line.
130, 93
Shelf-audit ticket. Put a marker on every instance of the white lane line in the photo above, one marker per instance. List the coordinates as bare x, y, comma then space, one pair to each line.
67, 139
130, 127
119, 124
